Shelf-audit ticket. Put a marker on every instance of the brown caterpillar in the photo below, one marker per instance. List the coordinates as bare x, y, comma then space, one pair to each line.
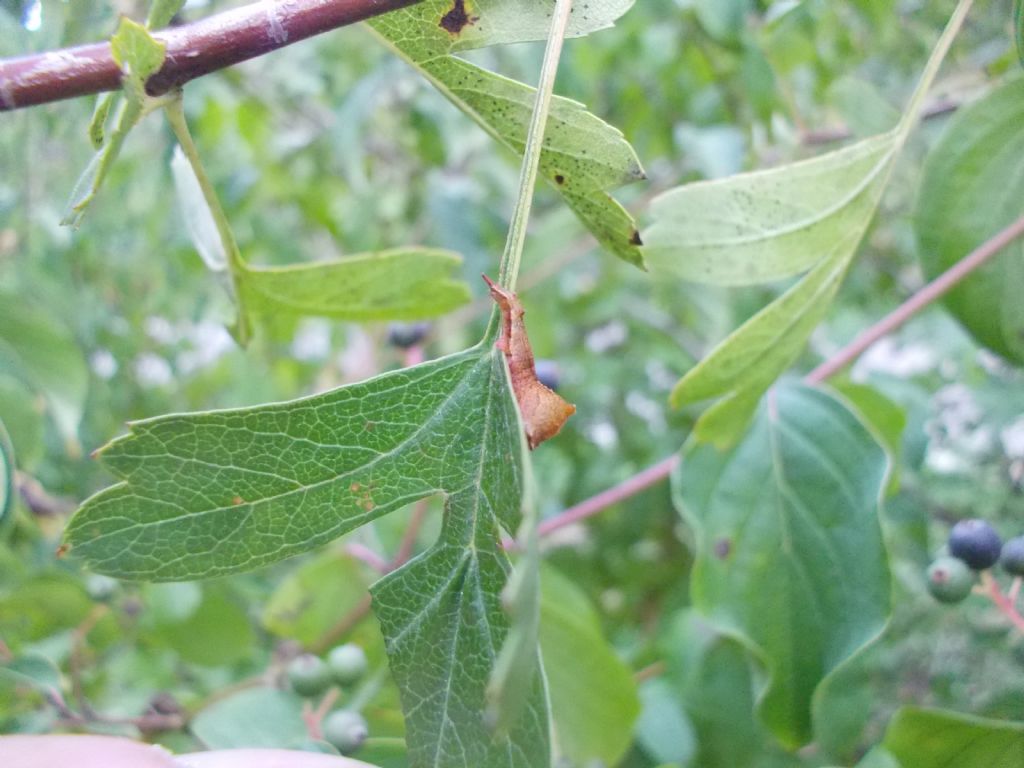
543, 410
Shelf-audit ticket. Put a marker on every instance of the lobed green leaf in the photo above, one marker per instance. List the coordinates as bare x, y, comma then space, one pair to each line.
207, 494
583, 156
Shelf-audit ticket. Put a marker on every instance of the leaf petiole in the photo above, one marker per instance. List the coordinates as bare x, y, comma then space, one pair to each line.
176, 117
513, 254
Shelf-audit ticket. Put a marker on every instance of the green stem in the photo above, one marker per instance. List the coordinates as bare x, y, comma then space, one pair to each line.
236, 266
511, 258
931, 69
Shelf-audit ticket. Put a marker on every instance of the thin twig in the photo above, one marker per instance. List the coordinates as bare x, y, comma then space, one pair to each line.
842, 133
1002, 603
1014, 590
650, 671
408, 542
513, 253
368, 556
75, 660
590, 507
922, 298
193, 50
314, 718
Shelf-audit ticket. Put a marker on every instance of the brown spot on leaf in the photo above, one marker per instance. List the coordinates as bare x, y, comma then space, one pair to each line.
236, 500
559, 178
368, 504
354, 487
722, 548
635, 238
543, 411
63, 549
457, 18
369, 426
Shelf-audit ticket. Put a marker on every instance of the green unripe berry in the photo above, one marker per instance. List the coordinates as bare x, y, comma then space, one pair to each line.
101, 588
348, 663
1012, 557
309, 675
950, 580
346, 730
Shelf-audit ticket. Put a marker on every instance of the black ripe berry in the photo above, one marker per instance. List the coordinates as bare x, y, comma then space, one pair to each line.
949, 580
1012, 557
405, 335
976, 543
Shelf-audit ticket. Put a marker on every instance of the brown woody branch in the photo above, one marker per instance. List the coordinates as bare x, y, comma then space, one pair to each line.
193, 50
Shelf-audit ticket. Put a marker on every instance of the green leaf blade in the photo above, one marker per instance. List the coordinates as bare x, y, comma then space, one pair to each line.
978, 159
767, 225
399, 284
268, 482
138, 54
40, 351
588, 155
825, 205
213, 493
594, 699
7, 468
501, 22
444, 626
744, 365
1018, 28
161, 13
442, 616
837, 194
933, 738
790, 552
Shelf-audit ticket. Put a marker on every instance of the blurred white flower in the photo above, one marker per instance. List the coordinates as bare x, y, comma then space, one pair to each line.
152, 371
103, 364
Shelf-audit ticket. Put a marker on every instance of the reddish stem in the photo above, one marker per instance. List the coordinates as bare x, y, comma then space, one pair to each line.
590, 507
193, 50
931, 292
314, 718
1002, 602
368, 556
408, 543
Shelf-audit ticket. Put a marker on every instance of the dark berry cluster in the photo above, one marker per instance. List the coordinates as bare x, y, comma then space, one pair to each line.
973, 546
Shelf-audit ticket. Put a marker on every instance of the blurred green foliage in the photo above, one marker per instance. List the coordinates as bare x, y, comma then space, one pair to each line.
335, 147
